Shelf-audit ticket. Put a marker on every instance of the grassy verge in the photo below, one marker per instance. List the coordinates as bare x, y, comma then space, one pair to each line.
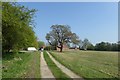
21, 65
54, 69
0, 68
90, 64
33, 66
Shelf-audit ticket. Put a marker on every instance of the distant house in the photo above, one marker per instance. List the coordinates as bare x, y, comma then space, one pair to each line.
65, 48
74, 48
31, 49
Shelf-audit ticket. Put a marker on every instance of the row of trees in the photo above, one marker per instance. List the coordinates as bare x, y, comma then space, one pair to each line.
106, 46
61, 34
17, 27
102, 46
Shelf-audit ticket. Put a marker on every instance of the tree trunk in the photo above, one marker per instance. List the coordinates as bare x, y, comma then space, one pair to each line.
61, 48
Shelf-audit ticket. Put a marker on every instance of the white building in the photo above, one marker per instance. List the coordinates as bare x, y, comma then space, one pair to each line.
31, 49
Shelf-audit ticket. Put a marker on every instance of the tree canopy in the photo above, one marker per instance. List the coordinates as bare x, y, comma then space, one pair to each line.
17, 27
106, 46
85, 44
60, 35
41, 44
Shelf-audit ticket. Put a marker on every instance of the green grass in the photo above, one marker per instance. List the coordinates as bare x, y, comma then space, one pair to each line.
90, 64
0, 68
54, 69
21, 65
33, 66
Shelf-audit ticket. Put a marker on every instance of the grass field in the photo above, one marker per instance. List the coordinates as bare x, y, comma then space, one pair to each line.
54, 69
0, 68
21, 65
90, 64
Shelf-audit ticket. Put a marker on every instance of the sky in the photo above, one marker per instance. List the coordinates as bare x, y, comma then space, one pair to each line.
61, 0
96, 21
